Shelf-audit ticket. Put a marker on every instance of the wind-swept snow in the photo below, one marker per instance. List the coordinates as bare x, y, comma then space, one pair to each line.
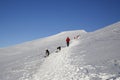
94, 56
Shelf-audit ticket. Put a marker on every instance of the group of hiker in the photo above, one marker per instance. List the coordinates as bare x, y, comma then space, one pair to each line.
59, 47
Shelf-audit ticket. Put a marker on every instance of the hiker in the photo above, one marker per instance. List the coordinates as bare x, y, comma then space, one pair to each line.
67, 41
77, 37
59, 48
47, 53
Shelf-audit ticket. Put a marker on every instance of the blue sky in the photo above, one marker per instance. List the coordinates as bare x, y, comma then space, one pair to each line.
26, 20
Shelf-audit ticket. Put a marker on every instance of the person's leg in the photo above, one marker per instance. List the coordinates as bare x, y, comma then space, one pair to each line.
67, 44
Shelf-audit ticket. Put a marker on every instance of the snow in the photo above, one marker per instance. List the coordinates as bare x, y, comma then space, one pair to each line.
93, 56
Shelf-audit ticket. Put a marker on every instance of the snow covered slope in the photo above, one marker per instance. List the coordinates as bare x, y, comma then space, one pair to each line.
94, 56
100, 53
12, 59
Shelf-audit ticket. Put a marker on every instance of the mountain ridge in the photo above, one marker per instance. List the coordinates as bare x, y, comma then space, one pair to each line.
92, 56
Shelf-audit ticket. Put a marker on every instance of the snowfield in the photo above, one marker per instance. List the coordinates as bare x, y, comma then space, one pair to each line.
92, 56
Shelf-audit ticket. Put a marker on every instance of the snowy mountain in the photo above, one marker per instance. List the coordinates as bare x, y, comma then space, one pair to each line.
92, 56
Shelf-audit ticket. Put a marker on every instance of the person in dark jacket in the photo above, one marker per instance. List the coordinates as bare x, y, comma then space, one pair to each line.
47, 53
59, 48
67, 41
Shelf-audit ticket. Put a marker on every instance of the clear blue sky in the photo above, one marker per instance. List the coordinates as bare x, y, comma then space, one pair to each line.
26, 20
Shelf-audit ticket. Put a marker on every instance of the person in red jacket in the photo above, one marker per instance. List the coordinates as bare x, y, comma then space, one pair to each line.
67, 41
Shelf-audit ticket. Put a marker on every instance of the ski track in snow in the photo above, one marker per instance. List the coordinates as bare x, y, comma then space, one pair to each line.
57, 66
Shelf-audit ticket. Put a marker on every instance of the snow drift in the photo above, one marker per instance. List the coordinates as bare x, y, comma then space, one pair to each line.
92, 56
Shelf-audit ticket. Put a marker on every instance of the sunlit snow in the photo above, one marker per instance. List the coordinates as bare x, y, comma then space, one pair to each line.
92, 56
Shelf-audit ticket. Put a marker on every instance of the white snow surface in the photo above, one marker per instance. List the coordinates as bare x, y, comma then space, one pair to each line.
93, 56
